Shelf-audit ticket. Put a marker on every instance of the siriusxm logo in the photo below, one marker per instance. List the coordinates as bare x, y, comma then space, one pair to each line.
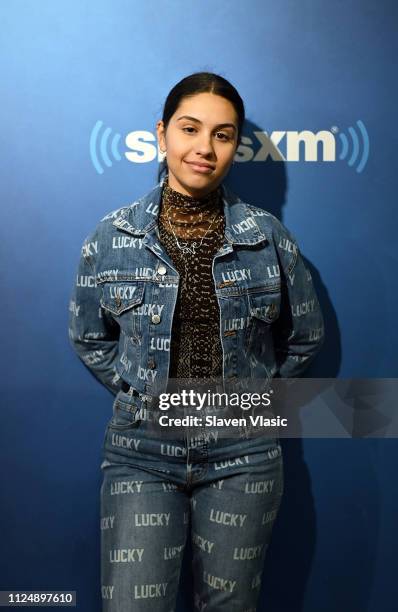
291, 146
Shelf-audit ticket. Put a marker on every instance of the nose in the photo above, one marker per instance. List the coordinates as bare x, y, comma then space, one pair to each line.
204, 145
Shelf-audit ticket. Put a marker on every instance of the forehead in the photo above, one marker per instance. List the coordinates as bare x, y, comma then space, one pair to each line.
208, 108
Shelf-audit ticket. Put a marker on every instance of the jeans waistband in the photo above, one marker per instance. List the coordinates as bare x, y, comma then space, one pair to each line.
132, 400
153, 399
150, 400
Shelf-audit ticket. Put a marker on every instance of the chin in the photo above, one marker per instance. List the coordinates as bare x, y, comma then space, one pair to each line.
195, 182
201, 179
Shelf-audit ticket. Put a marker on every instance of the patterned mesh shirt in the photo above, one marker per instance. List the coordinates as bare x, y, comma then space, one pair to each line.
195, 350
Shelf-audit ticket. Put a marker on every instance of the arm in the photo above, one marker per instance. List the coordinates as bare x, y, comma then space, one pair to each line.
299, 331
94, 336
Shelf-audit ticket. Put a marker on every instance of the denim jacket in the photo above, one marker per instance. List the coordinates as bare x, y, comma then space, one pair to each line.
122, 305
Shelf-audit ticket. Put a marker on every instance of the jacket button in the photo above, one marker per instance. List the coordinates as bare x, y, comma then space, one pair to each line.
162, 270
151, 363
155, 319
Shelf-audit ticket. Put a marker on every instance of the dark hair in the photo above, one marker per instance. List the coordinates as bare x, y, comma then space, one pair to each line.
201, 82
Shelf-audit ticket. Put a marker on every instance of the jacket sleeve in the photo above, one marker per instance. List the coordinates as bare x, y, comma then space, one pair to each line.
94, 336
299, 330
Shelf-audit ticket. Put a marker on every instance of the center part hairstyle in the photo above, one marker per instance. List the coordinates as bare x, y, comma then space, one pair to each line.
196, 83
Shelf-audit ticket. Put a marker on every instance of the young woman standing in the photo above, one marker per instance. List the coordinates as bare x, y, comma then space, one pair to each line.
189, 282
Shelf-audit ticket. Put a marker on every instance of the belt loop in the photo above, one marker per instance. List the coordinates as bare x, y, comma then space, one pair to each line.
126, 388
129, 390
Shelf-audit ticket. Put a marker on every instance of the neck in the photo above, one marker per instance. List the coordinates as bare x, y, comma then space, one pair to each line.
188, 215
191, 192
188, 204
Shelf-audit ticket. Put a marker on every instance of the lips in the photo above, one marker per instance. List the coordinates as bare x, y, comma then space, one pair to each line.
201, 165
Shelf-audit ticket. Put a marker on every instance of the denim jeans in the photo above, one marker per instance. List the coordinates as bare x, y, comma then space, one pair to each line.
223, 493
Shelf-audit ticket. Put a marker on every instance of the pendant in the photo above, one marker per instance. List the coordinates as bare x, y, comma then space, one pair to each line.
186, 247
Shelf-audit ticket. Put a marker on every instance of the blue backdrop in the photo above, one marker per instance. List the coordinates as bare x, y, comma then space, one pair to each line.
81, 82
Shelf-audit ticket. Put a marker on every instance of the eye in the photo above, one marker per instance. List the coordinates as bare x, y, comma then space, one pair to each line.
226, 136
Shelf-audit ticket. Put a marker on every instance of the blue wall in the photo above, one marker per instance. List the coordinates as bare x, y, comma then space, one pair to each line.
305, 65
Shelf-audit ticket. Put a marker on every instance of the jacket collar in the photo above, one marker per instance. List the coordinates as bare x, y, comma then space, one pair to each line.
240, 224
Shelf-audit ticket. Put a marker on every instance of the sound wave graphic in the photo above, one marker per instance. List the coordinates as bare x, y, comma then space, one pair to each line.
102, 143
355, 146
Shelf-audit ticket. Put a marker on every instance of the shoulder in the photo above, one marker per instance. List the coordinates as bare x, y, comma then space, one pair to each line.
266, 223
284, 241
105, 224
110, 216
101, 232
270, 224
135, 216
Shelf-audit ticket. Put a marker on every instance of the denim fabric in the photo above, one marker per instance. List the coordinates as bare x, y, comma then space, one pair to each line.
122, 305
223, 494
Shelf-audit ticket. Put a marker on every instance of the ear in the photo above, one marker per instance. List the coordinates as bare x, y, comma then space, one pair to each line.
161, 135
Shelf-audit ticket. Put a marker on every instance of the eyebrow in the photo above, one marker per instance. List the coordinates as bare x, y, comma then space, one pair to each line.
220, 125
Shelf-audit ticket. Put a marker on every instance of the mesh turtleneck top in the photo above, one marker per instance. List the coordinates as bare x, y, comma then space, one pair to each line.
192, 230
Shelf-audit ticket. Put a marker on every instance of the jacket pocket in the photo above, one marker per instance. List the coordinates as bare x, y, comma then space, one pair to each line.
264, 305
123, 299
264, 310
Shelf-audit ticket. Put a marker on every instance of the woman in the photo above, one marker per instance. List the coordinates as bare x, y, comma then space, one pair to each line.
189, 282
